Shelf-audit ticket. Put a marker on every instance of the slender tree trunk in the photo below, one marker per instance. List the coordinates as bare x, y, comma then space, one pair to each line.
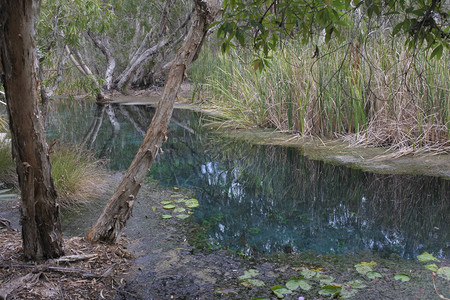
119, 208
41, 229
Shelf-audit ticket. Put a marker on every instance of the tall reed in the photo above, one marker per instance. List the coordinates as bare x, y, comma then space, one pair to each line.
377, 93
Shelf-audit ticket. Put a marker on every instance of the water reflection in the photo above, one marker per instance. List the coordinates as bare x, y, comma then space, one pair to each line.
271, 198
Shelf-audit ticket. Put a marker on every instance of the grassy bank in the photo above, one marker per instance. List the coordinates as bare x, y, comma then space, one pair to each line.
78, 176
375, 93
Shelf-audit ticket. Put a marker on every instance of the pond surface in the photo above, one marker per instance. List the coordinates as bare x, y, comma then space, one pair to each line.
256, 198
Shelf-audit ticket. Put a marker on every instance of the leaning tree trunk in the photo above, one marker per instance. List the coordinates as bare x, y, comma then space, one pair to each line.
113, 218
41, 228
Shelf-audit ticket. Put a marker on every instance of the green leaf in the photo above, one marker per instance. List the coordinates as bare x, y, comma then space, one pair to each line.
325, 279
437, 52
182, 216
249, 274
280, 291
293, 283
330, 290
179, 210
255, 282
347, 293
166, 217
169, 206
357, 284
165, 202
424, 257
432, 267
373, 275
308, 273
191, 203
364, 267
444, 272
402, 277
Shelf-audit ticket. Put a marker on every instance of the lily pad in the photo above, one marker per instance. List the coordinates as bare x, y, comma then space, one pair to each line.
255, 282
280, 291
364, 267
179, 210
325, 279
169, 206
293, 283
373, 275
424, 257
444, 272
357, 284
165, 202
191, 203
432, 267
249, 274
182, 216
176, 196
402, 277
330, 290
308, 273
166, 217
347, 293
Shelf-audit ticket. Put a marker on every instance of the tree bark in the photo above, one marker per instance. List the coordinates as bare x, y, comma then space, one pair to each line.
119, 208
41, 228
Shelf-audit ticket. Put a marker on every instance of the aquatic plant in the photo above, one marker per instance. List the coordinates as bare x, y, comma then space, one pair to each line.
374, 92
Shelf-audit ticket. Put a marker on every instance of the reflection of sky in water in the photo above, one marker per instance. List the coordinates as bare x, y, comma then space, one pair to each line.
270, 198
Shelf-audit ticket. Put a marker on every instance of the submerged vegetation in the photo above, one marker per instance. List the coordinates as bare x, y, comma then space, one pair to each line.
373, 92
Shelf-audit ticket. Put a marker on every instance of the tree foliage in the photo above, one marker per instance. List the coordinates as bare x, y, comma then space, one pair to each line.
264, 22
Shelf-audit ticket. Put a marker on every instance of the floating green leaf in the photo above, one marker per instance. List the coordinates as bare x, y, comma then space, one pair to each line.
179, 209
432, 267
280, 291
424, 257
176, 196
166, 217
308, 273
182, 216
402, 277
304, 285
180, 200
249, 274
169, 206
357, 284
191, 203
373, 275
364, 267
293, 283
325, 279
255, 282
330, 290
444, 272
165, 202
347, 293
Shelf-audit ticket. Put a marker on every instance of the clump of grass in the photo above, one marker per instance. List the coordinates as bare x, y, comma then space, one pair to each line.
78, 176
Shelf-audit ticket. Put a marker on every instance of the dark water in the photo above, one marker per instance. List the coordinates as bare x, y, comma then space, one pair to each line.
272, 198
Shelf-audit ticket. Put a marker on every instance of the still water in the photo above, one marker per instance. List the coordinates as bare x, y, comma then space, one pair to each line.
265, 199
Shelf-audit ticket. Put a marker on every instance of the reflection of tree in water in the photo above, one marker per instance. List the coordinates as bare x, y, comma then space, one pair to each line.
272, 198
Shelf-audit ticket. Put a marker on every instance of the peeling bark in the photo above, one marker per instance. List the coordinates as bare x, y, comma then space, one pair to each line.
119, 208
41, 228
